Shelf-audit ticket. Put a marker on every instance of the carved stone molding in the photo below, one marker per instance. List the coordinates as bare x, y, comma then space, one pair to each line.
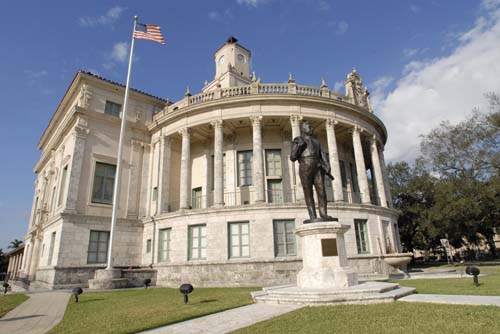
217, 123
296, 119
331, 122
256, 120
84, 96
185, 132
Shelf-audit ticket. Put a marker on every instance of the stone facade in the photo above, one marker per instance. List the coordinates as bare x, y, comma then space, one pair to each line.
209, 194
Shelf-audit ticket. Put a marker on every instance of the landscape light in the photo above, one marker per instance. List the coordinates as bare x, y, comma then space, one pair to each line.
5, 287
76, 292
186, 289
473, 271
147, 282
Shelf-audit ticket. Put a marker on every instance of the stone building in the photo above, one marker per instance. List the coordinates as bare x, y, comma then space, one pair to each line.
209, 194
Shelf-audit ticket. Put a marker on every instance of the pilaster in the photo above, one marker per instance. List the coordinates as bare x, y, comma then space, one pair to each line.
334, 159
295, 121
218, 163
258, 164
185, 168
360, 165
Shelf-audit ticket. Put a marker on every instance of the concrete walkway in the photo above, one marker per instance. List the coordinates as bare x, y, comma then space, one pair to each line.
37, 315
452, 299
227, 321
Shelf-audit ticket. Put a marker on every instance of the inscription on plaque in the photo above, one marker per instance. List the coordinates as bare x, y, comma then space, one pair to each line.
329, 247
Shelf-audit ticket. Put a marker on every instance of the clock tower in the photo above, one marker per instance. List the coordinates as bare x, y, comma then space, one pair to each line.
232, 66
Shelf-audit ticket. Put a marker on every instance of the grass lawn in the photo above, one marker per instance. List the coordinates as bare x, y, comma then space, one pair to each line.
397, 318
9, 302
129, 311
488, 285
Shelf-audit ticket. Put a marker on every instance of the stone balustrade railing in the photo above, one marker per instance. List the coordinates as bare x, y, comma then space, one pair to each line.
260, 88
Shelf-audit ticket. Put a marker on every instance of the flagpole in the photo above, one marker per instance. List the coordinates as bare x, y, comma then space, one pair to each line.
116, 188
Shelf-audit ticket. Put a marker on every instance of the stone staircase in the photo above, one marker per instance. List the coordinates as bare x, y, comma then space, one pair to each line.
364, 293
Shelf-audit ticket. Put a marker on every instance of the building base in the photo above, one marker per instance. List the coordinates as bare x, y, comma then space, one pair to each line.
108, 279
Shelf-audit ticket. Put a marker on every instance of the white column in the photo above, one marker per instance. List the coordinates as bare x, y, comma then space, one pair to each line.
379, 180
295, 121
334, 159
185, 168
360, 166
258, 165
80, 133
218, 164
385, 177
164, 173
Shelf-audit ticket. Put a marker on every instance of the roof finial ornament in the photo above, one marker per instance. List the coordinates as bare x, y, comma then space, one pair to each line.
290, 78
254, 76
188, 92
323, 83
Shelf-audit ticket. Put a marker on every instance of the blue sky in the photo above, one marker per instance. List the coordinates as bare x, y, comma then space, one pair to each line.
423, 61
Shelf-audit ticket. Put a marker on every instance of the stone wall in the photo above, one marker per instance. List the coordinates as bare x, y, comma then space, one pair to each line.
258, 273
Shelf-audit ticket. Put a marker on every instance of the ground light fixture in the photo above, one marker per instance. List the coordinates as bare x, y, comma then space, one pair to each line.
5, 287
147, 282
186, 289
473, 271
76, 292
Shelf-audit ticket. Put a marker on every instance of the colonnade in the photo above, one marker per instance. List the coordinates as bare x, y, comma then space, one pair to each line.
258, 173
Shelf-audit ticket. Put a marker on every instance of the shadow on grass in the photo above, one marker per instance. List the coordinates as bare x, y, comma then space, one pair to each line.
90, 300
208, 301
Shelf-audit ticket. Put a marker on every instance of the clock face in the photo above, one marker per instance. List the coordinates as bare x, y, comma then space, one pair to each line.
241, 58
221, 60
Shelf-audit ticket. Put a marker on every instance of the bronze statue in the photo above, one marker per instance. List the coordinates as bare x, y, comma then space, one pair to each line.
313, 166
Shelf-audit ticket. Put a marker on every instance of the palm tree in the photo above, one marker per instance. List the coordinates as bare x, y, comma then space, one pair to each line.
15, 243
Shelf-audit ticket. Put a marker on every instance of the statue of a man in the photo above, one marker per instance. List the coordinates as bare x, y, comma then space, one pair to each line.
313, 166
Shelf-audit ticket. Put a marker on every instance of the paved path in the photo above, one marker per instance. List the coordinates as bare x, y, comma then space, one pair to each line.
37, 315
452, 299
227, 321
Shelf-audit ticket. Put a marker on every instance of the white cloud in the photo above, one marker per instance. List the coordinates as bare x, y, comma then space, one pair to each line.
34, 76
410, 52
110, 17
119, 52
342, 27
338, 87
446, 88
251, 3
213, 15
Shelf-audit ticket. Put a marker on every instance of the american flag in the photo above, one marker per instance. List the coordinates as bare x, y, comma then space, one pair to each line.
150, 32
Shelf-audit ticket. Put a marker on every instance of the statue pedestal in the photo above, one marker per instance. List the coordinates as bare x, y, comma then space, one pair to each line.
324, 257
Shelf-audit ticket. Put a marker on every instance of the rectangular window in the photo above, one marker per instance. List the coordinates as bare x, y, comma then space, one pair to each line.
155, 194
51, 248
343, 175
197, 242
148, 246
63, 185
273, 163
98, 247
196, 198
239, 240
284, 238
164, 245
104, 181
361, 229
113, 109
245, 168
53, 199
274, 191
354, 178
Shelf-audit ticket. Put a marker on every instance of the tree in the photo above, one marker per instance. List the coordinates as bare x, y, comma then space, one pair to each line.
413, 194
4, 262
15, 243
466, 157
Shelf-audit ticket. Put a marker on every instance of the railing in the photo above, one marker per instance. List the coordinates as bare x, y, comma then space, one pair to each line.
352, 197
273, 89
246, 196
235, 91
260, 88
306, 90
